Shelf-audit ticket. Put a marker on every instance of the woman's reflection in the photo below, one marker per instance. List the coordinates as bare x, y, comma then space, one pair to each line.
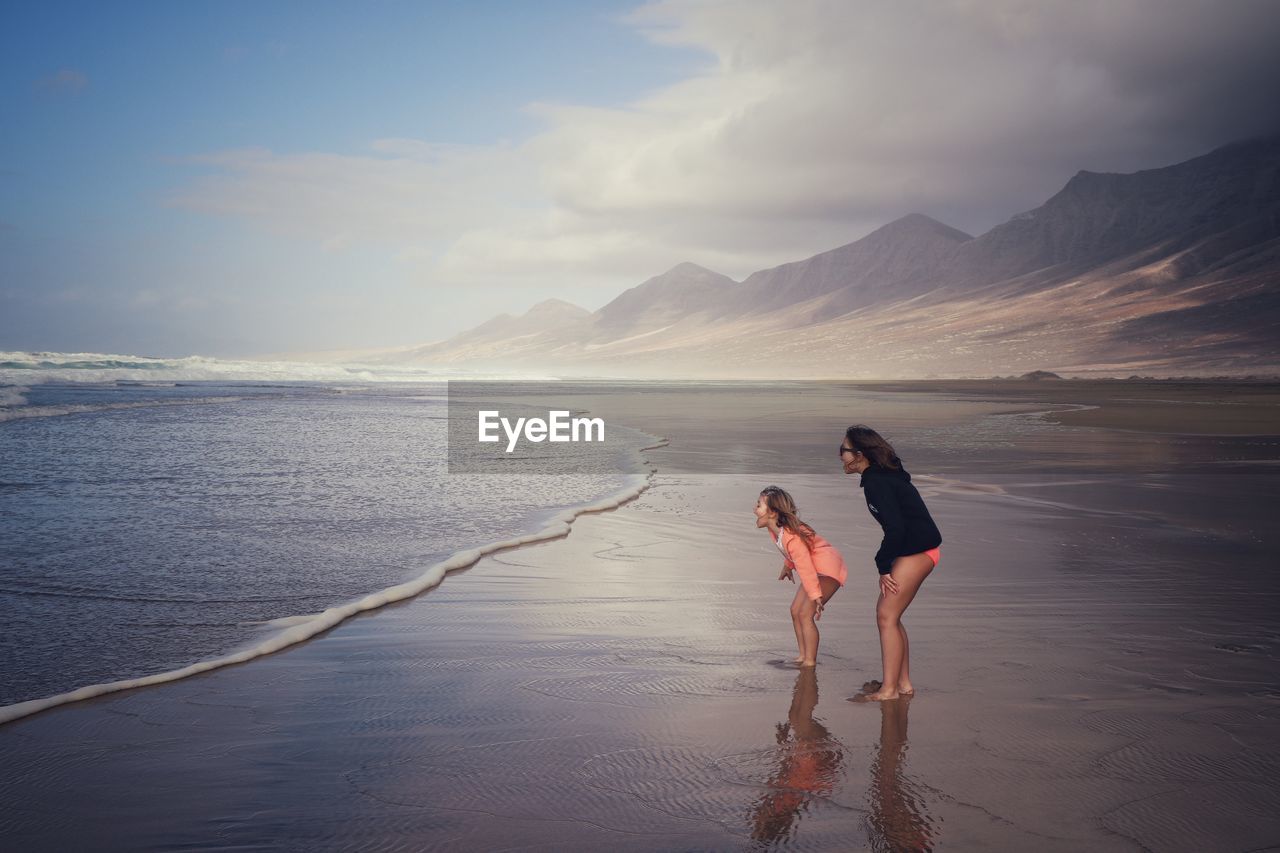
898, 820
809, 765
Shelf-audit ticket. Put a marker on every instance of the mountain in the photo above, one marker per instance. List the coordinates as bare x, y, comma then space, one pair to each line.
905, 258
1098, 217
681, 292
1168, 270
500, 335
546, 316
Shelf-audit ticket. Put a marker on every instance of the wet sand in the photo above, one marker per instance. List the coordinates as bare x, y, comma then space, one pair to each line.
1095, 660
1228, 407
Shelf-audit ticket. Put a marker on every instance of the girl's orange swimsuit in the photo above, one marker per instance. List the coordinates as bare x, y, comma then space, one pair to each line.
824, 560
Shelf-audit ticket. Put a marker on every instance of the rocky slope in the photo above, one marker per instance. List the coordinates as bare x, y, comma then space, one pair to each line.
1173, 270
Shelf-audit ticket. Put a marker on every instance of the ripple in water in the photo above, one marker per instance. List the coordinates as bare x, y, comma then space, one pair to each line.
141, 536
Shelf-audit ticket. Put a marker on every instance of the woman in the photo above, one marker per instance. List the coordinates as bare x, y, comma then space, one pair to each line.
908, 552
821, 567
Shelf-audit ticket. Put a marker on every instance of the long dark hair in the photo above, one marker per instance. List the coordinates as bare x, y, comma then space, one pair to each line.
777, 499
869, 442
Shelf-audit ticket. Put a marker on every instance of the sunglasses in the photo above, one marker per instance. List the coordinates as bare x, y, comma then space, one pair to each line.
844, 450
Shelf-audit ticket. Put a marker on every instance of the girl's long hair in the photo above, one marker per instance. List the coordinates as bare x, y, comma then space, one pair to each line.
782, 503
866, 440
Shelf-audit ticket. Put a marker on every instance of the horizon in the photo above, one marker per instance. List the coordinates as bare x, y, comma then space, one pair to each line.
184, 181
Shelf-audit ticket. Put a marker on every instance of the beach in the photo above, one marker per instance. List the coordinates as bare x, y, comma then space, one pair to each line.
1094, 659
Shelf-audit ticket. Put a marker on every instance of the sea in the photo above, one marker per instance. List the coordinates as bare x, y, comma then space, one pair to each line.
161, 517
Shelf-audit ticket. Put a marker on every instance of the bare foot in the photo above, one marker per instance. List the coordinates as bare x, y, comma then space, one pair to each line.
799, 659
880, 696
905, 688
807, 663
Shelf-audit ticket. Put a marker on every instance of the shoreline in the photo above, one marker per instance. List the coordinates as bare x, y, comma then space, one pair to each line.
304, 627
1237, 408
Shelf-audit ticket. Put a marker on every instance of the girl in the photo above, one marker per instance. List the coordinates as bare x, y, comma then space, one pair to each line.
908, 552
821, 567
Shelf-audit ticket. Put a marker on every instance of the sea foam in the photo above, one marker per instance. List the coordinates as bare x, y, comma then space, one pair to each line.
19, 368
299, 629
11, 397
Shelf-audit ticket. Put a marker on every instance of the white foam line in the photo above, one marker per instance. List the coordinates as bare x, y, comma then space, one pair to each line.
318, 623
94, 368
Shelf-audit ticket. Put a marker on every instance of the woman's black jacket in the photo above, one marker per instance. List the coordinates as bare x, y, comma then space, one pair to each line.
895, 503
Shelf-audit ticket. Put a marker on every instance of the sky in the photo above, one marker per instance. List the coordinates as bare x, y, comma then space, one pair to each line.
238, 178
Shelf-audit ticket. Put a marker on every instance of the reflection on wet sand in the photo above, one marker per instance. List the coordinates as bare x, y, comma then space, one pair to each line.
809, 764
898, 820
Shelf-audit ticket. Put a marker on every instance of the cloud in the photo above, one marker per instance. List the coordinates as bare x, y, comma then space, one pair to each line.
811, 123
402, 193
66, 81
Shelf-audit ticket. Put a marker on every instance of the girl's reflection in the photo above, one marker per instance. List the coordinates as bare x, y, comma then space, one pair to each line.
898, 820
810, 762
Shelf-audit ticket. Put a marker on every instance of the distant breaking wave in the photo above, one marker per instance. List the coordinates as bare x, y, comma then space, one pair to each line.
30, 368
12, 397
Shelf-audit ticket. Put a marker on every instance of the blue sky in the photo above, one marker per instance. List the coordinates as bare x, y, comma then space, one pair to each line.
235, 178
104, 102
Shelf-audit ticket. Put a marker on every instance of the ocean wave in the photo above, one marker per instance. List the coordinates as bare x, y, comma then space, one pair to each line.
12, 396
28, 368
299, 629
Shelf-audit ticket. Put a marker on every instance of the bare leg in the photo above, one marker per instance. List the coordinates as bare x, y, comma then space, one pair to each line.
797, 612
904, 678
909, 572
808, 627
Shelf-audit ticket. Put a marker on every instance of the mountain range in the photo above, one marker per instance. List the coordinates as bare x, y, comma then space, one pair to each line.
1168, 271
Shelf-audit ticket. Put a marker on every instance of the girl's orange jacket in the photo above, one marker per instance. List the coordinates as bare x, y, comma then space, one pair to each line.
824, 560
